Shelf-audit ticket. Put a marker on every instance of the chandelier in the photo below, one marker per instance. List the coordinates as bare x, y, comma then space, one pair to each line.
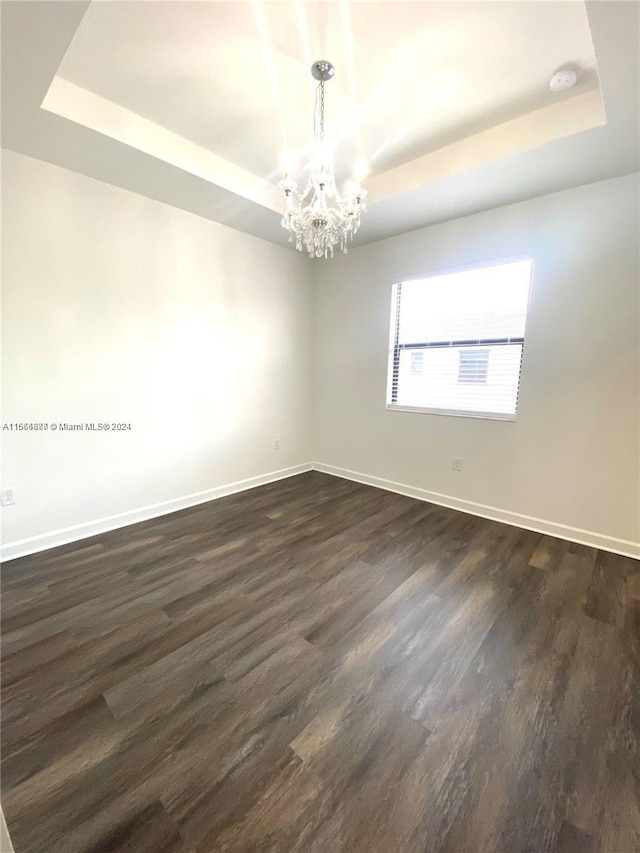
320, 218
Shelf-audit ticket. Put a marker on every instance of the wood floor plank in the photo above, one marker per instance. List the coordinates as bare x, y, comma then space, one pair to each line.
150, 830
573, 840
38, 654
268, 824
66, 734
318, 666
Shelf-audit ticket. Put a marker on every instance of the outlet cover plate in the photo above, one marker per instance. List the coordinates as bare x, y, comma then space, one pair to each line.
7, 497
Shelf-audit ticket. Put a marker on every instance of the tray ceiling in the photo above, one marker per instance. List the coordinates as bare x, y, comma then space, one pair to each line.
211, 94
234, 77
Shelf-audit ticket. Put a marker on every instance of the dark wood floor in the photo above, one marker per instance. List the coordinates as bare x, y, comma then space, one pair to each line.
319, 666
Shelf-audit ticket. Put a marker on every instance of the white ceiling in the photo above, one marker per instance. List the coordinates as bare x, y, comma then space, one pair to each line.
448, 102
234, 77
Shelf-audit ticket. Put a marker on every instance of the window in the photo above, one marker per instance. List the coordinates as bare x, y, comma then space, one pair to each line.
457, 341
417, 361
473, 366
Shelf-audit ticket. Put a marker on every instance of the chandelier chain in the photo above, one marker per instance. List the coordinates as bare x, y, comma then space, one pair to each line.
322, 111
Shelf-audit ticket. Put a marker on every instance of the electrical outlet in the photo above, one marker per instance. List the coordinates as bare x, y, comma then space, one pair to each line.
8, 497
457, 463
276, 444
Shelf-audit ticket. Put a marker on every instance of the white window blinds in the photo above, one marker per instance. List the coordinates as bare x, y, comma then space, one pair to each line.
457, 341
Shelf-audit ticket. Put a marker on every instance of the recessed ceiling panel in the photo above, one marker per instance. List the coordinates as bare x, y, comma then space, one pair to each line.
411, 77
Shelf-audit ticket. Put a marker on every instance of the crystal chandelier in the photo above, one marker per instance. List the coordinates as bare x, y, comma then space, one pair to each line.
320, 218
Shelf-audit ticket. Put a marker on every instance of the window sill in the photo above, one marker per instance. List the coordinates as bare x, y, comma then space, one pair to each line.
486, 416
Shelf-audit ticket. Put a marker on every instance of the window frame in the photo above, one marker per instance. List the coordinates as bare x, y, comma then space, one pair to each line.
393, 356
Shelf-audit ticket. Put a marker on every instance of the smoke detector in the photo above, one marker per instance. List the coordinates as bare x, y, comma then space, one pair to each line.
563, 79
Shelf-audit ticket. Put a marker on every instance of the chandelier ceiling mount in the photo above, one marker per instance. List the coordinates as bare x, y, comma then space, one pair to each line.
322, 70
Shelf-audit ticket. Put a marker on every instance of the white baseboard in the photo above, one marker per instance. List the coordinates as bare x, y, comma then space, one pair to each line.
539, 525
5, 842
44, 541
24, 547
